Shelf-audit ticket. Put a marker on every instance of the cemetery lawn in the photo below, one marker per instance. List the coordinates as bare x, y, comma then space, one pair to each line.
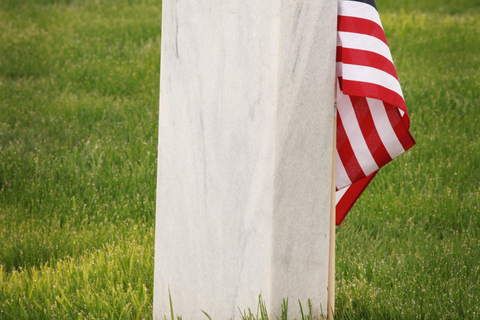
78, 142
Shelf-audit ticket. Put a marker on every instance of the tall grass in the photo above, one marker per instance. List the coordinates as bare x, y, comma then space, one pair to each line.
78, 138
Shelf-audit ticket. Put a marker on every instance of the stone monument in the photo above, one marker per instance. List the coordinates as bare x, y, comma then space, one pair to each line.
245, 156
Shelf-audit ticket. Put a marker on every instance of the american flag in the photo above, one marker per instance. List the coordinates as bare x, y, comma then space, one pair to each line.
372, 118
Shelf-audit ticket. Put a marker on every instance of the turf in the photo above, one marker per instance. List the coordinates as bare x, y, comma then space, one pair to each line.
78, 138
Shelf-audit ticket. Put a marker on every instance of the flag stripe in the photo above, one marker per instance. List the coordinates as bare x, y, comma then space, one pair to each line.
369, 131
370, 2
339, 195
401, 129
371, 75
361, 26
355, 136
364, 42
385, 129
347, 156
366, 58
358, 88
342, 178
359, 10
346, 197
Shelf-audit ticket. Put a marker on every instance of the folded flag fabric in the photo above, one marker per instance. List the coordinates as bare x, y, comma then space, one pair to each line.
372, 118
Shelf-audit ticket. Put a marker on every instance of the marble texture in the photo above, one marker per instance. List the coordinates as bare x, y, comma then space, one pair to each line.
244, 158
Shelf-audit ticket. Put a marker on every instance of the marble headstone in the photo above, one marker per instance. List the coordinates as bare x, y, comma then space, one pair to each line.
245, 156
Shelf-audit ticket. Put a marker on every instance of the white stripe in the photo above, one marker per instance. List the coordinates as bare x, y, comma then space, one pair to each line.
339, 194
371, 75
339, 69
359, 10
364, 42
355, 135
384, 128
341, 176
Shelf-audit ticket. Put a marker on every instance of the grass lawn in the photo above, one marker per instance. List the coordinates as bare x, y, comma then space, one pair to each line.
78, 140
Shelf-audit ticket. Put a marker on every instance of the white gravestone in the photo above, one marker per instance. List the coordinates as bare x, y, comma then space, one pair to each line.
245, 156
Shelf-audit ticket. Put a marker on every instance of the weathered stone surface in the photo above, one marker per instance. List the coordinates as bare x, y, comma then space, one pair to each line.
244, 166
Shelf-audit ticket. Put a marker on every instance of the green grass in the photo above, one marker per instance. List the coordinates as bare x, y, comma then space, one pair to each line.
78, 138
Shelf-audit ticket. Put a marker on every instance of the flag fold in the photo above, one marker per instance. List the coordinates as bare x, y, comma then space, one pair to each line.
372, 118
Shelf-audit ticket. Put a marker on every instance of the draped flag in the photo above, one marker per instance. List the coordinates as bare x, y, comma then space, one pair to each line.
372, 118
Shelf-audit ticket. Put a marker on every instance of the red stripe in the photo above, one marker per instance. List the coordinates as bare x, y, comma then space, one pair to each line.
363, 26
375, 91
346, 154
369, 131
366, 58
399, 126
350, 197
406, 120
339, 54
340, 82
